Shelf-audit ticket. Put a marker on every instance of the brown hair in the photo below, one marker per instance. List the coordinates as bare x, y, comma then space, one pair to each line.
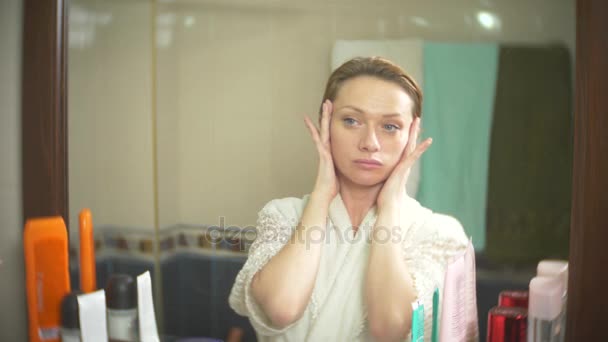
376, 67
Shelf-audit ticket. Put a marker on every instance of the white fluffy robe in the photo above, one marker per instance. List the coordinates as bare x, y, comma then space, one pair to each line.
336, 311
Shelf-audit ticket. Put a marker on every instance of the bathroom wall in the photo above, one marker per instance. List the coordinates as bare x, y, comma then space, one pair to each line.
228, 84
13, 321
248, 71
110, 112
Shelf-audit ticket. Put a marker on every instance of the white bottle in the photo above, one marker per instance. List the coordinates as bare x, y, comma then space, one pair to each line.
557, 268
544, 309
92, 316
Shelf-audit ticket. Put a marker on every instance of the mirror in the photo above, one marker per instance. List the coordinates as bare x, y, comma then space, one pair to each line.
186, 118
111, 138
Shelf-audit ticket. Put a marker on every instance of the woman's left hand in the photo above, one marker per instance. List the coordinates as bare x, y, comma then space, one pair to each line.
393, 191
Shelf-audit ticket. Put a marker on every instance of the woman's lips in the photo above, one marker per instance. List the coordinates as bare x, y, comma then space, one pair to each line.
368, 164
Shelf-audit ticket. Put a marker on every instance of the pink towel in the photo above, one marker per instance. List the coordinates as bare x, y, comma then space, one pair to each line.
458, 321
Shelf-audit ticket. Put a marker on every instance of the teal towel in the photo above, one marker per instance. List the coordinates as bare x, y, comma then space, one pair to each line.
459, 87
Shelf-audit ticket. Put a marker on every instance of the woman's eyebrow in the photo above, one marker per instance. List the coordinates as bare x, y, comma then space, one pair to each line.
356, 109
392, 115
361, 111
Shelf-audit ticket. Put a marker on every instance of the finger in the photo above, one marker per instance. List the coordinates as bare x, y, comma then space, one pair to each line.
408, 150
314, 132
325, 122
420, 149
413, 136
411, 142
411, 159
330, 114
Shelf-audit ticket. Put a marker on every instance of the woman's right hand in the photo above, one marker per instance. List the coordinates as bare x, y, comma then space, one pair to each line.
326, 185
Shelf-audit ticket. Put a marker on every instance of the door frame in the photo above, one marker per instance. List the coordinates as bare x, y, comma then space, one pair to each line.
44, 131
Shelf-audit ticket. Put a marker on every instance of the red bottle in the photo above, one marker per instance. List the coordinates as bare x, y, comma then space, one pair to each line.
517, 299
507, 324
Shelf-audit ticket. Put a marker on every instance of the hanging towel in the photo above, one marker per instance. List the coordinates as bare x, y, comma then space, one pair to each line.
459, 86
529, 190
406, 53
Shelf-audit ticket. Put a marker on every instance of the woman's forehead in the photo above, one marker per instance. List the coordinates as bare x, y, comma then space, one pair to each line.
373, 96
354, 110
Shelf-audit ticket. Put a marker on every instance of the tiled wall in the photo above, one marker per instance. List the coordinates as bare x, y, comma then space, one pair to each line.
110, 112
247, 74
113, 241
233, 79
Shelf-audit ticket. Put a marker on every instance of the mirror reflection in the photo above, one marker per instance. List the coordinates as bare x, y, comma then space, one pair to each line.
187, 119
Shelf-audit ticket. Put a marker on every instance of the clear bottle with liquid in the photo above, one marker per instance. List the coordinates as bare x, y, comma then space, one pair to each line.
559, 269
545, 309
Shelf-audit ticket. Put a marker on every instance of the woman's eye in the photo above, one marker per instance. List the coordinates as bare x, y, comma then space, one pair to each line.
391, 127
349, 121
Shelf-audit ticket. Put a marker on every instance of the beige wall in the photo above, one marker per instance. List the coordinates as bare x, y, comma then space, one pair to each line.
247, 74
167, 97
234, 79
110, 112
13, 316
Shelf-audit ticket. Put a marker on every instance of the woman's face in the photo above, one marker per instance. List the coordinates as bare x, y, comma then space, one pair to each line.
370, 122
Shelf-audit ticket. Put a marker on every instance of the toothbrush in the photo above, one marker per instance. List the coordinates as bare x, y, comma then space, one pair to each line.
417, 321
435, 333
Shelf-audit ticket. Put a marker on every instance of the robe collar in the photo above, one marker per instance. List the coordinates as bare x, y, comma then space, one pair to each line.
341, 220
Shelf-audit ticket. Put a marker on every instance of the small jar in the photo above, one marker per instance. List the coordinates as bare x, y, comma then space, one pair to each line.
70, 322
121, 306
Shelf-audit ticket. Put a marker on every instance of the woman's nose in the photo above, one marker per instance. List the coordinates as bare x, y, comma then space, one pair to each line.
369, 141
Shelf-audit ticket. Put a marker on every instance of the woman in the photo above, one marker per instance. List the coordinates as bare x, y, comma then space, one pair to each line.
346, 262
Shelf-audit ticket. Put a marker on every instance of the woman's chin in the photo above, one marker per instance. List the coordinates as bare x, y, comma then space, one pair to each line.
365, 179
